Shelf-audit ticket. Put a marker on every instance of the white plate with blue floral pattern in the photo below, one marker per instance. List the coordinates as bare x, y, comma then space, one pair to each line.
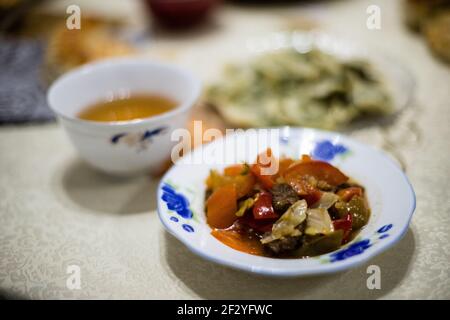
391, 197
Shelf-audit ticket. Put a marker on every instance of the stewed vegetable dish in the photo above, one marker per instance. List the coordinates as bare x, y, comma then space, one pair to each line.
313, 89
304, 209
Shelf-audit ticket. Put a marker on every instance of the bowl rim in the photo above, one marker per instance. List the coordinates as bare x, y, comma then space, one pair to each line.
88, 68
338, 266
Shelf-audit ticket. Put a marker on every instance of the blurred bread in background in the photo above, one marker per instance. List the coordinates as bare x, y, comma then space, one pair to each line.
419, 11
437, 33
432, 19
68, 49
98, 36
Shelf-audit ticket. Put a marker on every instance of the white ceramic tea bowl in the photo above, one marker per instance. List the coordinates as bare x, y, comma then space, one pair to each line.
124, 147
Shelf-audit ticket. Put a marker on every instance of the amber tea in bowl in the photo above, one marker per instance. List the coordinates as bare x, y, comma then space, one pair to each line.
133, 107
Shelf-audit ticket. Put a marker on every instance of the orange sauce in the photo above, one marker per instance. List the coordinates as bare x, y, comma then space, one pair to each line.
239, 241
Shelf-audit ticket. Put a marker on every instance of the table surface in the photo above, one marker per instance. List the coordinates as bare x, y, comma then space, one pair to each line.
55, 211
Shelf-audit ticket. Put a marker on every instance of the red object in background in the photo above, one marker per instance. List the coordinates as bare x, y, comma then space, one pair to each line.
181, 13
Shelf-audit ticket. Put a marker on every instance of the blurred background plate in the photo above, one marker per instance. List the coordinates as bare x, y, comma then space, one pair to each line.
398, 79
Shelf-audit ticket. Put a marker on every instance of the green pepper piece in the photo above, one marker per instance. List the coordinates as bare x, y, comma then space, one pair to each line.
320, 244
357, 208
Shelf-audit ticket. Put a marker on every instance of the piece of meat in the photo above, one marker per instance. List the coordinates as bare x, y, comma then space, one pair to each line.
283, 196
284, 244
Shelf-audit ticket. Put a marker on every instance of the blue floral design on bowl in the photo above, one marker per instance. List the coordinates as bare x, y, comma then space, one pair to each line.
352, 250
187, 228
359, 246
325, 150
385, 228
176, 201
140, 139
149, 134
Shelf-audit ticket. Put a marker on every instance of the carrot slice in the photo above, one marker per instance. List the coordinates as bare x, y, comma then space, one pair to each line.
221, 207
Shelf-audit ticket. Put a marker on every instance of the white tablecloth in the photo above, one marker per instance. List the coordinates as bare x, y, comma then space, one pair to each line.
56, 212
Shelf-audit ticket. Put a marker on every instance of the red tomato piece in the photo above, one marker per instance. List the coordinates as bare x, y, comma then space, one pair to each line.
261, 226
262, 208
348, 193
317, 169
344, 224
